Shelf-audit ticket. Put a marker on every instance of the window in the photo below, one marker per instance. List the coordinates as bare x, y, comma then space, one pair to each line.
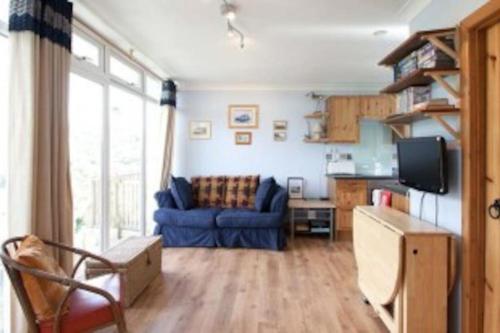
124, 72
84, 50
3, 169
4, 12
153, 88
117, 134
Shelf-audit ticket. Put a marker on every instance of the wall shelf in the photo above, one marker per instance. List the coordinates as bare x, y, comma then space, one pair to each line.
316, 115
323, 140
395, 121
424, 77
416, 41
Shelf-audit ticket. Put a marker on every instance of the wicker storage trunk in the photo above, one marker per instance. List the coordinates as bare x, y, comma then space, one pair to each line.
138, 260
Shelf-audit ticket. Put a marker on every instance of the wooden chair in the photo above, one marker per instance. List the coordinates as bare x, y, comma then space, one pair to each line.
93, 304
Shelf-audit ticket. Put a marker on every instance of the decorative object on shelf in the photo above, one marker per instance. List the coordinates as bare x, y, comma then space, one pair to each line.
280, 125
316, 121
295, 187
200, 130
228, 10
280, 136
243, 138
243, 116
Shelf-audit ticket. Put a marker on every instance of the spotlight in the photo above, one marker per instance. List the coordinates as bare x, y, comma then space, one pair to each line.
228, 11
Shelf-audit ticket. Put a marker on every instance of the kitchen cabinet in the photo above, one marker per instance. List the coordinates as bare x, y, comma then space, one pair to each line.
377, 107
343, 125
346, 194
345, 113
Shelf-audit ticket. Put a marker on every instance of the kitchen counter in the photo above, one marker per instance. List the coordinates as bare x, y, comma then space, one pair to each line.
361, 176
396, 188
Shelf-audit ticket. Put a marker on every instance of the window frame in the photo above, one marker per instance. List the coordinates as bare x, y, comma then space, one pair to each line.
103, 76
84, 63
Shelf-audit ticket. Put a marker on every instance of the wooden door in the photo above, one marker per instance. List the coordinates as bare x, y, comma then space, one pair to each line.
343, 124
492, 229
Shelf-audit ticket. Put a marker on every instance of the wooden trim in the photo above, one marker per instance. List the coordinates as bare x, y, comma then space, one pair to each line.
472, 31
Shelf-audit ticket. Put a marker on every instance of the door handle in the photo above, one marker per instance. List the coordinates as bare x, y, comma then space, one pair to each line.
494, 209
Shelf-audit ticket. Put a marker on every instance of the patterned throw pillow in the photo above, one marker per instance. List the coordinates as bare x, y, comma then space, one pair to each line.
208, 191
240, 191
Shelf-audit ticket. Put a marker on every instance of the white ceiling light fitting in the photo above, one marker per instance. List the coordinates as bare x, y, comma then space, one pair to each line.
229, 12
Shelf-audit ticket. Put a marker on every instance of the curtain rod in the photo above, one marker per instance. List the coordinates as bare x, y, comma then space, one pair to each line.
118, 48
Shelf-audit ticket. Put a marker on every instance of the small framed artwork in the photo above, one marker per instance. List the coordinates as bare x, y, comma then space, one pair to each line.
200, 130
295, 187
243, 116
280, 125
243, 138
280, 136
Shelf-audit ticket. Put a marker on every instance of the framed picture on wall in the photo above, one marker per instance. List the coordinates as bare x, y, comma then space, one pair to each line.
243, 116
280, 136
243, 138
280, 125
295, 187
200, 130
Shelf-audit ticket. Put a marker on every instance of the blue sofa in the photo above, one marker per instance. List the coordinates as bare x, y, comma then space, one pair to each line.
218, 227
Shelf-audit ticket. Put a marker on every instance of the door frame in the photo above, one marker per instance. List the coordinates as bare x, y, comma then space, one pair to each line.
473, 103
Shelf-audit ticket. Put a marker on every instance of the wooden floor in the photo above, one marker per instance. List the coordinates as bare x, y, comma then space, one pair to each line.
310, 287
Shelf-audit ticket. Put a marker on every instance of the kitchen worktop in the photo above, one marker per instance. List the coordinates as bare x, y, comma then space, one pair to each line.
360, 176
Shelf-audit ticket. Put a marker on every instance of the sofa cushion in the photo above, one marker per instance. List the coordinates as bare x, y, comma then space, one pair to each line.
246, 218
240, 191
264, 194
279, 203
165, 199
182, 193
203, 218
208, 191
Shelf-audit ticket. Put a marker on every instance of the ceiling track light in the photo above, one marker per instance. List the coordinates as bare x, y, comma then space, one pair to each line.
232, 31
229, 12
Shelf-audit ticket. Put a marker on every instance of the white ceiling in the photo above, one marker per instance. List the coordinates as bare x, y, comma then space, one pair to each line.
293, 44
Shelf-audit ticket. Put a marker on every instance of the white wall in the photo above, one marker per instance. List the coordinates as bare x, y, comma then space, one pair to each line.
220, 155
443, 14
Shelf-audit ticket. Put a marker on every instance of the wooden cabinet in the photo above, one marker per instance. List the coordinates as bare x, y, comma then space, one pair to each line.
377, 107
346, 111
346, 194
343, 220
406, 269
343, 125
400, 202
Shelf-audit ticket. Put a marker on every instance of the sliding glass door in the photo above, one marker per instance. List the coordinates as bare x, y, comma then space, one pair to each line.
86, 104
126, 112
115, 119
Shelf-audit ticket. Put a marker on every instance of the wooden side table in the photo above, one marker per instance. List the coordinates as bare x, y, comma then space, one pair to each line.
314, 210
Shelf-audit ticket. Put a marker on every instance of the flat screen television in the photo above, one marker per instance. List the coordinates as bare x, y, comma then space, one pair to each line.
422, 164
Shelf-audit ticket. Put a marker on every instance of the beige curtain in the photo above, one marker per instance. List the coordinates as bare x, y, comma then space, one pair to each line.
39, 188
39, 181
168, 147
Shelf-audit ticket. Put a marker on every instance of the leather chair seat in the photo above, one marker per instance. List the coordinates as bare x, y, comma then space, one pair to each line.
87, 310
